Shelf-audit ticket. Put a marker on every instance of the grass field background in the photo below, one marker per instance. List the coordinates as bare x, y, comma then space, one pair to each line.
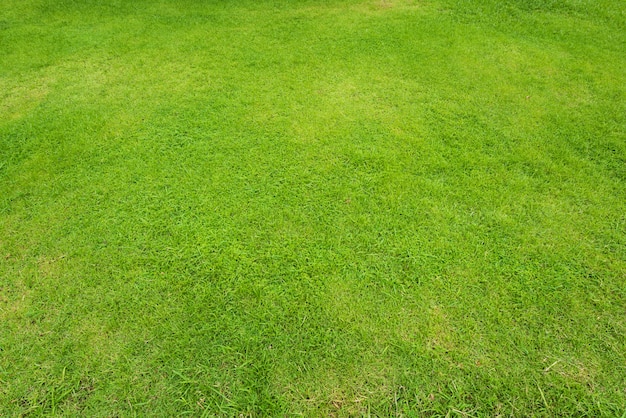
327, 208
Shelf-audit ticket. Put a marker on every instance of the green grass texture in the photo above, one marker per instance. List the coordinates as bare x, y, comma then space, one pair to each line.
327, 208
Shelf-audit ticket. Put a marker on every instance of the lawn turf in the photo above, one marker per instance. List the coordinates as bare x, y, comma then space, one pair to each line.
328, 208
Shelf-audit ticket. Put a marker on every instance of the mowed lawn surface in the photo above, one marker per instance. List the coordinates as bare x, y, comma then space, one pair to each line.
326, 208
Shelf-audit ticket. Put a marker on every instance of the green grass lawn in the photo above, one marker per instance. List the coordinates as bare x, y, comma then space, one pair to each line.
319, 208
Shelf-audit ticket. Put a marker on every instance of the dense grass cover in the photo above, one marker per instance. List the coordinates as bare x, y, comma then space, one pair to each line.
385, 207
